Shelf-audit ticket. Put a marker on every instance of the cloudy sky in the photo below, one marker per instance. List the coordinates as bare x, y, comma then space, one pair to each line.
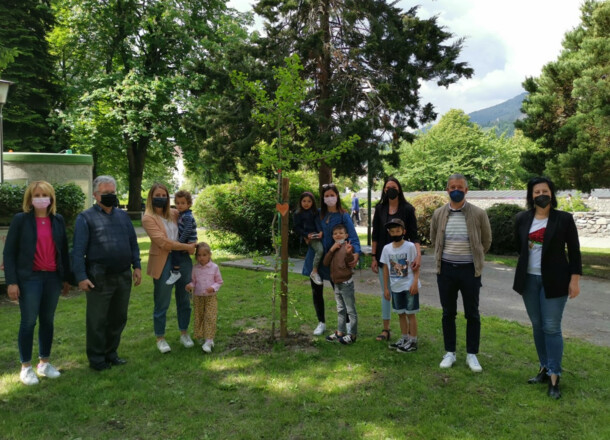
506, 41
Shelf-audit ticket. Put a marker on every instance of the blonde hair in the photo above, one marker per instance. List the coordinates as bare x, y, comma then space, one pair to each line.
204, 247
150, 209
47, 188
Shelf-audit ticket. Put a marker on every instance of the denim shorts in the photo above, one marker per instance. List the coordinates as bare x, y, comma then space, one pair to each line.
404, 302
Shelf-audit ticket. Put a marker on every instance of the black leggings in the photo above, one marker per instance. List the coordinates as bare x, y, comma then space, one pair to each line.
317, 292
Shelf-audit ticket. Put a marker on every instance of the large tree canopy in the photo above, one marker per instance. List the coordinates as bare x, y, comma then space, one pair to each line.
129, 65
456, 145
25, 60
568, 109
366, 59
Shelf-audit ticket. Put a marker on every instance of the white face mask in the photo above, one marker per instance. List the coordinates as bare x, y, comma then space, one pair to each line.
41, 202
330, 201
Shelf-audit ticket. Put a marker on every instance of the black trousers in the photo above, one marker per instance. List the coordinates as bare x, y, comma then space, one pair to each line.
107, 307
456, 278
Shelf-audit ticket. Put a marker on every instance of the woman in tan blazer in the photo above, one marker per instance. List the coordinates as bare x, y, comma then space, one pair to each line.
160, 223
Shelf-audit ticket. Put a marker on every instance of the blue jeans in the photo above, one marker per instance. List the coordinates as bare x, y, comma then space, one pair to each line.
386, 304
38, 299
545, 315
163, 295
346, 307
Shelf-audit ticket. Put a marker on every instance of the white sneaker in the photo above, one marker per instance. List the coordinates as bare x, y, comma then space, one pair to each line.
207, 346
320, 329
315, 277
28, 377
473, 363
47, 370
448, 360
163, 346
174, 276
186, 341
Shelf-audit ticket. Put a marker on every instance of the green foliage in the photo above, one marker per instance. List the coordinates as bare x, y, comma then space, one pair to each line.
502, 220
11, 201
245, 209
572, 204
455, 144
25, 59
425, 205
366, 60
568, 108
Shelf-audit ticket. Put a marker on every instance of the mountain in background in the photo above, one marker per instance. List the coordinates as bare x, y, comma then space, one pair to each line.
500, 117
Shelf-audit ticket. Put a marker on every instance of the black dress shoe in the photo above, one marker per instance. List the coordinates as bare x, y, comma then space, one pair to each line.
554, 389
117, 361
100, 367
541, 377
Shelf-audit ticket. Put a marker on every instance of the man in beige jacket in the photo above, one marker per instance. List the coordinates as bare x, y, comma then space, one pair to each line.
461, 235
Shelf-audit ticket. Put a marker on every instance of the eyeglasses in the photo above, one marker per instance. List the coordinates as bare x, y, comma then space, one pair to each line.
329, 186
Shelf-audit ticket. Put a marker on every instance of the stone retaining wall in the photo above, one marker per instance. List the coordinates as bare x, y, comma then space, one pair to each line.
593, 224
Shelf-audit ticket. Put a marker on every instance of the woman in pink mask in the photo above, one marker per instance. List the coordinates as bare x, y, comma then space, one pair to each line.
37, 270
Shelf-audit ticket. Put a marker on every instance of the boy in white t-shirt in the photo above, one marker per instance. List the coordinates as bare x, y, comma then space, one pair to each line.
403, 282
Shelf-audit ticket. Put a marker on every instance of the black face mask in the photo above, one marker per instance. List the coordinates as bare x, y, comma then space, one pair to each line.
109, 200
159, 202
542, 201
396, 238
392, 193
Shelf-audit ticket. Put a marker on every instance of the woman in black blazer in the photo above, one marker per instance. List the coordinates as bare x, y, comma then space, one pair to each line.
36, 262
545, 276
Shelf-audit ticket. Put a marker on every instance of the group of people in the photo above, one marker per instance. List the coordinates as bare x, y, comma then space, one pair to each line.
106, 262
460, 232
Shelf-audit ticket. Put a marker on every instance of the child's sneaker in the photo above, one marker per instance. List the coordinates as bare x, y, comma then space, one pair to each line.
398, 343
333, 337
207, 346
347, 339
174, 276
315, 277
407, 347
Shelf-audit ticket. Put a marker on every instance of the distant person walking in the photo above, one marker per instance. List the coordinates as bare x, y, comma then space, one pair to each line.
545, 276
105, 251
461, 235
355, 210
36, 262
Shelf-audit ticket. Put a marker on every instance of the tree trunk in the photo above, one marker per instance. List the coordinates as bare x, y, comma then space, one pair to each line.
284, 269
325, 173
136, 156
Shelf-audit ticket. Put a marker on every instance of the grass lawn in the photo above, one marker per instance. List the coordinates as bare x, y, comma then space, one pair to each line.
306, 388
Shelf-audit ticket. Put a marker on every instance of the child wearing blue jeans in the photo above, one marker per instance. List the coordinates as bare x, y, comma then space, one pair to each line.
403, 283
187, 231
338, 257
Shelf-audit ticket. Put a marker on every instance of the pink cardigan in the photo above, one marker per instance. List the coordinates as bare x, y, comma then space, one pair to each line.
160, 244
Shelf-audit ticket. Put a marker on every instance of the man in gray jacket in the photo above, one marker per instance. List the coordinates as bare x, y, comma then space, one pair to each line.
461, 235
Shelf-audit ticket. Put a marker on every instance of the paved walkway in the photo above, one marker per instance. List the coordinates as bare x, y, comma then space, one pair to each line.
586, 317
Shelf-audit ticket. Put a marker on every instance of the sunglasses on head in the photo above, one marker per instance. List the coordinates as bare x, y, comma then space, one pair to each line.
329, 186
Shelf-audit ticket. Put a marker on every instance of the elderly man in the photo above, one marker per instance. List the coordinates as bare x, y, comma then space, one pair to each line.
105, 250
461, 235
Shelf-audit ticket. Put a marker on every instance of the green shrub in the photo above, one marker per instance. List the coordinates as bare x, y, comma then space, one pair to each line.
11, 201
575, 204
502, 218
425, 205
245, 209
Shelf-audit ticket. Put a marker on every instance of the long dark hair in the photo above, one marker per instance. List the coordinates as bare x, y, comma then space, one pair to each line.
323, 208
313, 202
384, 197
530, 190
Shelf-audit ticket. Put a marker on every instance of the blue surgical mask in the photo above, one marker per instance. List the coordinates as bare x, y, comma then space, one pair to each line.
456, 195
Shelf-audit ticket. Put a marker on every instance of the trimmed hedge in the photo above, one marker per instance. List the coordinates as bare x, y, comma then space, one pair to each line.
502, 220
245, 209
